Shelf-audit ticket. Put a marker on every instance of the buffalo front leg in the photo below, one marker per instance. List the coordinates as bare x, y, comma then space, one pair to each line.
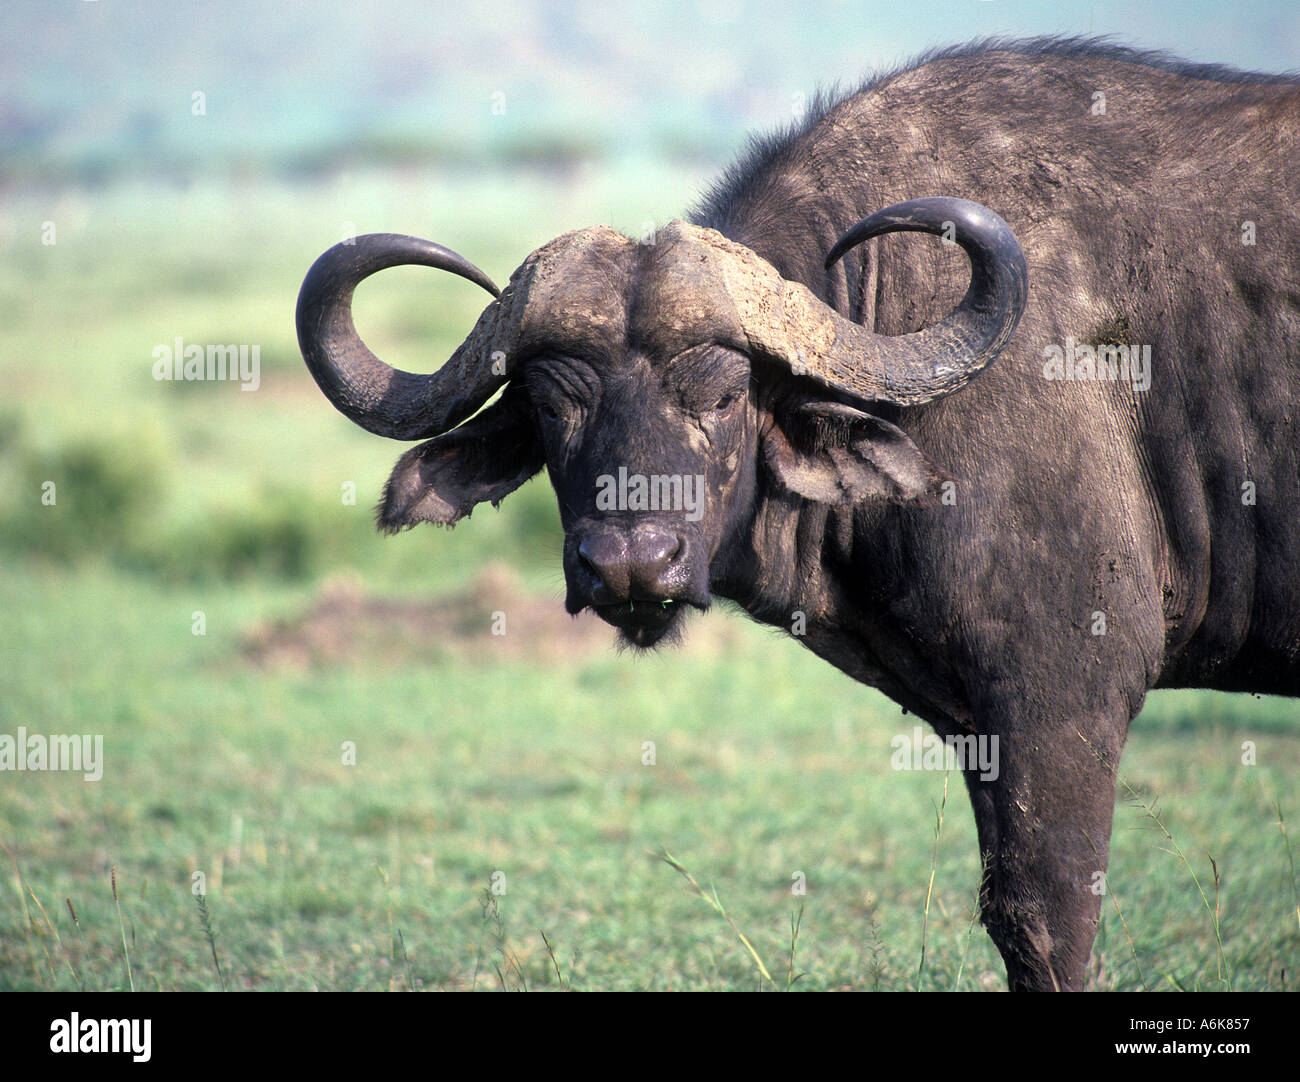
1044, 828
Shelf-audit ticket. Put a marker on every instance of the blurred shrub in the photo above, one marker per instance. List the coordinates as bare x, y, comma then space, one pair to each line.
118, 499
87, 497
106, 497
274, 536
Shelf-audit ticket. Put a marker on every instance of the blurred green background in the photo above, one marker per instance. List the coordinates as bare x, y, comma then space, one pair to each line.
170, 171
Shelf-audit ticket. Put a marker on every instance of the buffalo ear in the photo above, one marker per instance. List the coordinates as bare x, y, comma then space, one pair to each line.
441, 481
838, 455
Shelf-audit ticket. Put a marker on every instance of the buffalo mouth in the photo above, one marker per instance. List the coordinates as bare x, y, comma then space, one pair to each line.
639, 579
644, 624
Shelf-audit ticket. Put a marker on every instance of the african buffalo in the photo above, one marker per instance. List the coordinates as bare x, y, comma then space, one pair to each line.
1016, 550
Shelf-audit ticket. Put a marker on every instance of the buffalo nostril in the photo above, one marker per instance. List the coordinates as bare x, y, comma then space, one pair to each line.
651, 556
670, 547
657, 551
604, 556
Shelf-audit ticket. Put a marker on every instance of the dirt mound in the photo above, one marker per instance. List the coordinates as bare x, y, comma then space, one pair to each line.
494, 619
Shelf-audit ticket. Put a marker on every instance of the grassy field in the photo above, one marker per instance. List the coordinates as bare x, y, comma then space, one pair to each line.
512, 763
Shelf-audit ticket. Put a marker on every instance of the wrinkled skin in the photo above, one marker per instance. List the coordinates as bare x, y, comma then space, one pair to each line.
978, 612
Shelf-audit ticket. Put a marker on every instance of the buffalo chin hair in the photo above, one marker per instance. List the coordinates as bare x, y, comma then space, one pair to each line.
671, 637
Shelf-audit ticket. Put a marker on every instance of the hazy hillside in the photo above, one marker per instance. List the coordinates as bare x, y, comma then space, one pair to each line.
93, 88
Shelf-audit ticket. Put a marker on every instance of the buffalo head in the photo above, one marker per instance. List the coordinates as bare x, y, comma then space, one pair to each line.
661, 384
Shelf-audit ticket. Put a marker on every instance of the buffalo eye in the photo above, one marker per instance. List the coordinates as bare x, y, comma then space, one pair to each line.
549, 412
725, 405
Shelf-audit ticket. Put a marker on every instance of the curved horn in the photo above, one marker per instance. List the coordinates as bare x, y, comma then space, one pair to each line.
913, 368
742, 297
382, 399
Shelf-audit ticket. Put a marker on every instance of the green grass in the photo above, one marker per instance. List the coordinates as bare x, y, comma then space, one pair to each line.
767, 764
177, 499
